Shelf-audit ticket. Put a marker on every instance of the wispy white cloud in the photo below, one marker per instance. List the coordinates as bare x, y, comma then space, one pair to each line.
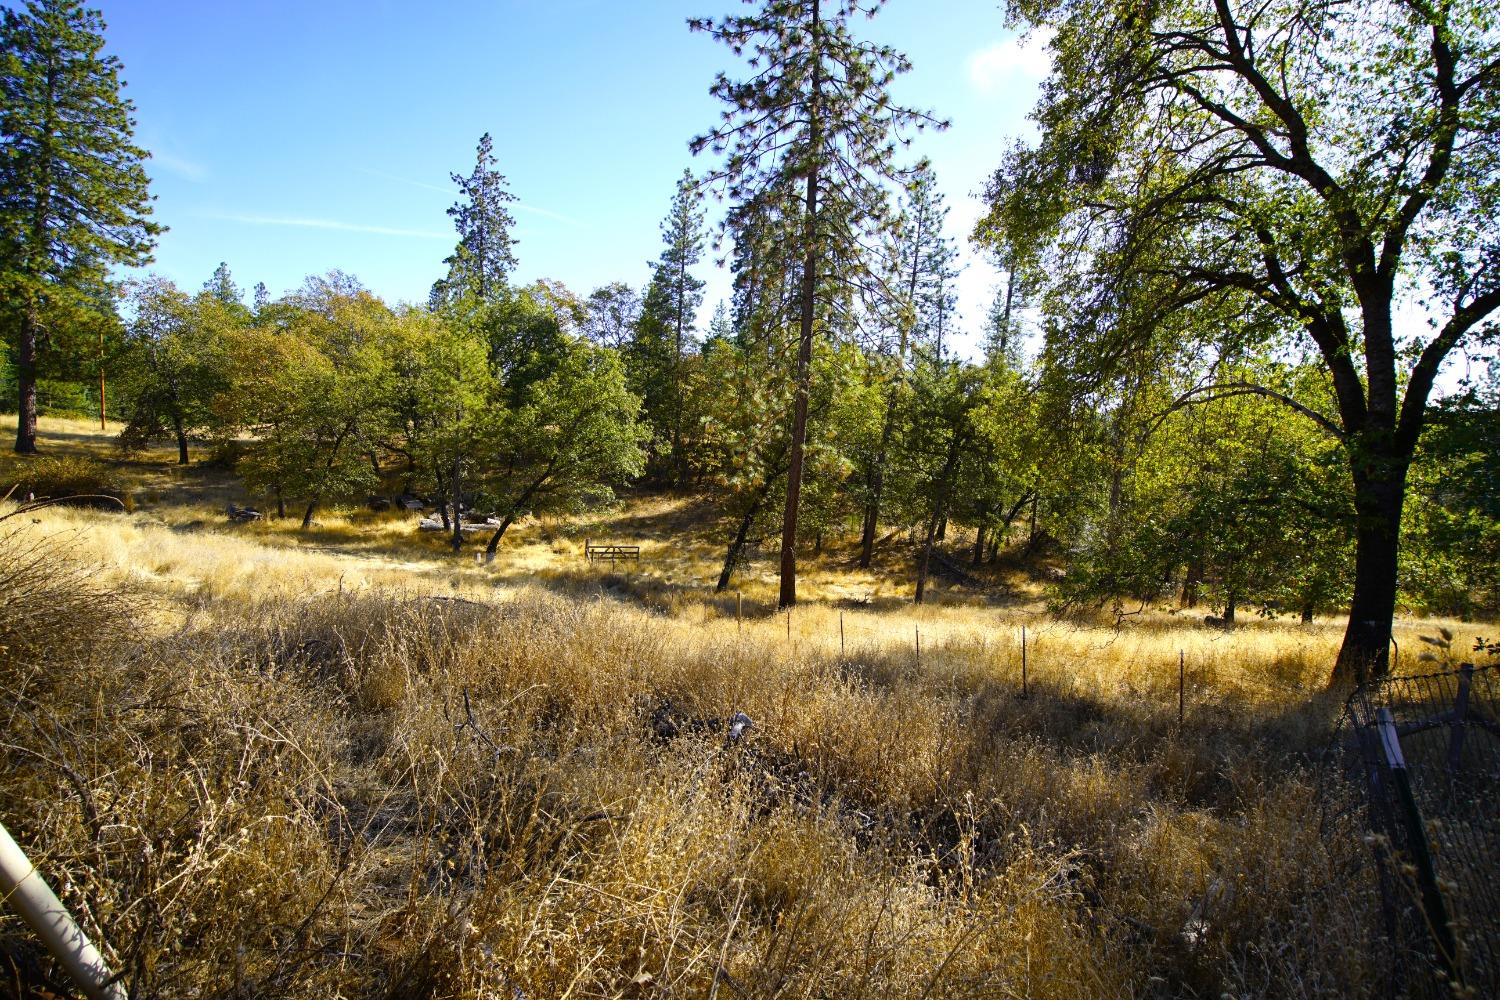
179, 165
521, 206
404, 180
1017, 61
298, 222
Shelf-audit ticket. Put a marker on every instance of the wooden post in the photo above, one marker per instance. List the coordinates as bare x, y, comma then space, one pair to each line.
1023, 662
841, 633
919, 647
739, 612
1181, 683
788, 624
1460, 718
587, 557
1421, 851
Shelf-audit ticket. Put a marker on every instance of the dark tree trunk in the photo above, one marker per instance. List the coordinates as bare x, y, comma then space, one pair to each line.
307, 515
788, 595
280, 504
1229, 603
26, 383
736, 549
510, 515
182, 441
942, 529
494, 545
939, 513
1307, 611
1367, 639
374, 463
978, 556
1191, 581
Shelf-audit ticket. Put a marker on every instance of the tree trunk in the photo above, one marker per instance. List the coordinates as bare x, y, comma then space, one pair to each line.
307, 515
942, 529
736, 548
1307, 611
26, 383
510, 515
978, 556
182, 441
455, 479
939, 514
1191, 580
788, 595
1229, 603
877, 485
1365, 653
280, 504
494, 545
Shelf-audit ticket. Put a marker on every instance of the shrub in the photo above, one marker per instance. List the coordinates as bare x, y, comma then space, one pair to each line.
66, 476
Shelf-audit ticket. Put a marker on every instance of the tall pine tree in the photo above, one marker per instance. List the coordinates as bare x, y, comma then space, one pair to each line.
815, 116
73, 188
481, 264
663, 334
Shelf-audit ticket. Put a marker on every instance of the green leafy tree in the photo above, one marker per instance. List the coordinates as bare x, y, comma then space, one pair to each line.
612, 312
815, 120
73, 190
1292, 170
480, 265
176, 364
1453, 521
314, 393
572, 436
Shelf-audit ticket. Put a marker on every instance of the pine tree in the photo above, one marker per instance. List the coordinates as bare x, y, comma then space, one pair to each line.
922, 268
222, 287
481, 263
816, 115
73, 188
668, 314
261, 297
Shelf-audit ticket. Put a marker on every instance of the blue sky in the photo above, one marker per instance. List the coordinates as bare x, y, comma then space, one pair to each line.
290, 138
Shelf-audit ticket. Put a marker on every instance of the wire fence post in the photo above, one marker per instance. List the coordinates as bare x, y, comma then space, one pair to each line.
841, 633
739, 612
788, 624
919, 647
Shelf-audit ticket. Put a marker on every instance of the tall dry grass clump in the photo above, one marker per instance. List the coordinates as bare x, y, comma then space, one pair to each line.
397, 793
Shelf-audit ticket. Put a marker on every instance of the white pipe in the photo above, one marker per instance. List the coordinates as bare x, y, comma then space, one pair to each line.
25, 889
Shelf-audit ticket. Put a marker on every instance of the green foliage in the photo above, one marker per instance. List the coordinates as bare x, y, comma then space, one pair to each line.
1213, 181
73, 198
1453, 512
662, 338
527, 338
570, 438
67, 476
175, 363
480, 266
314, 392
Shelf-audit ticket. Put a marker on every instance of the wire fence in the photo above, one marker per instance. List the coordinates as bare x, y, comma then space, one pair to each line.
1427, 748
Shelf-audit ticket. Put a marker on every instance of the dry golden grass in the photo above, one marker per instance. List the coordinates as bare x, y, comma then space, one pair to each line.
259, 762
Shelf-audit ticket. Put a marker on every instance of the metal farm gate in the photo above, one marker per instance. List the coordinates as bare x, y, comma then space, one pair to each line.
1428, 749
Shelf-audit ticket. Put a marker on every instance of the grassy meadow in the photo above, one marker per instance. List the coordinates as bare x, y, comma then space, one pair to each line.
258, 761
